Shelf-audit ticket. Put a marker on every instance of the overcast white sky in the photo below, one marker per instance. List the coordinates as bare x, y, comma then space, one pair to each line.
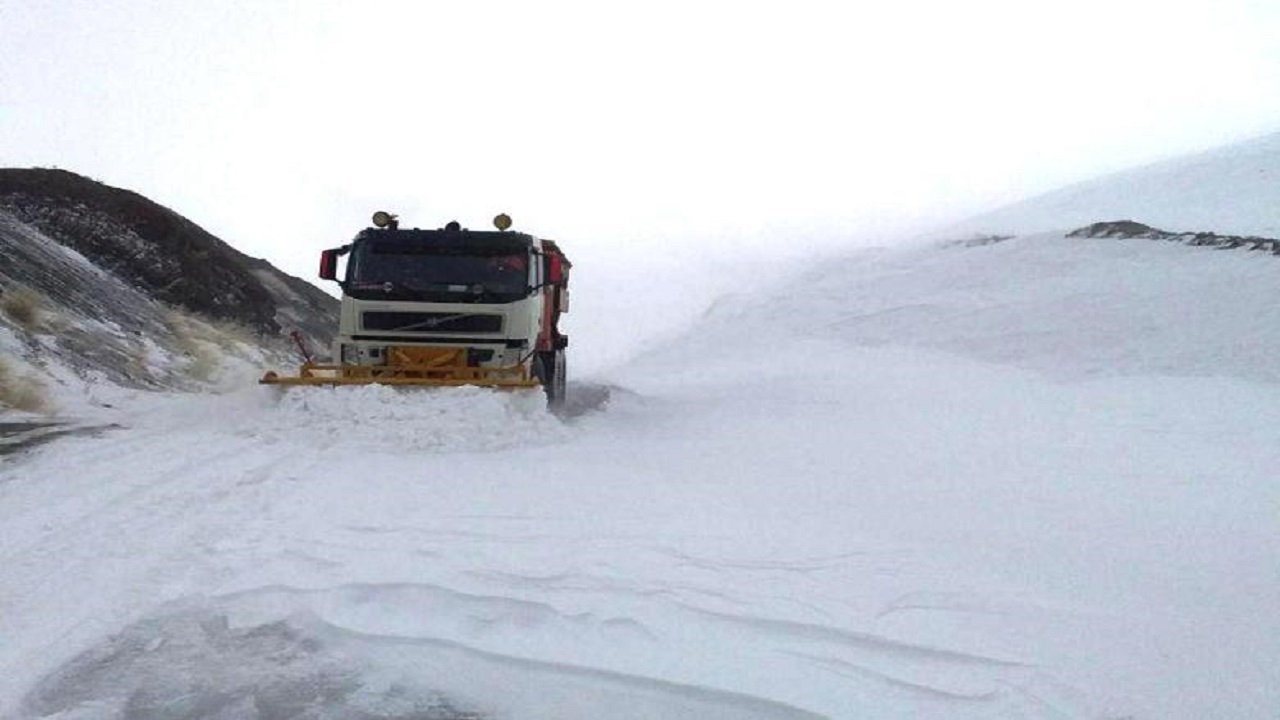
281, 125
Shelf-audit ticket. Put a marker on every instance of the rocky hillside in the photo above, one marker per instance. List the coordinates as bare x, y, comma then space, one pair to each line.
99, 283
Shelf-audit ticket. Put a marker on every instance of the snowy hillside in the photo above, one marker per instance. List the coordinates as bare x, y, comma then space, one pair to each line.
101, 289
1030, 479
72, 333
1230, 190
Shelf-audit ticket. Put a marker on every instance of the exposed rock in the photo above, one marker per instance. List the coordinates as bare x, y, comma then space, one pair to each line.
1133, 229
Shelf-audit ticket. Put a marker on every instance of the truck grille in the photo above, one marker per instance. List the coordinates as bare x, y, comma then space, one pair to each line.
431, 322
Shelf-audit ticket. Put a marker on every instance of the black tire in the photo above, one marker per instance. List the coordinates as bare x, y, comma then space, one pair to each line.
559, 382
549, 368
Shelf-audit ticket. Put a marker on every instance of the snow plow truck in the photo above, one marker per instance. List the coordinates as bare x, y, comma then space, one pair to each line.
449, 306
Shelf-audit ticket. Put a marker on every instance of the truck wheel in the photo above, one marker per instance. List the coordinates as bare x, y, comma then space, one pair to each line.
549, 368
559, 382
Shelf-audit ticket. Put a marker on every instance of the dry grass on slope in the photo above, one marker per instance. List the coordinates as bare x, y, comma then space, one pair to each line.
24, 307
20, 392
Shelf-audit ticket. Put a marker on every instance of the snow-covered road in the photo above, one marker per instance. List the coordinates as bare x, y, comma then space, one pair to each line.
1030, 480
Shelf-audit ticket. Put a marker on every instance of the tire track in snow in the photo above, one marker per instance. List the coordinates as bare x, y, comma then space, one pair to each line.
87, 551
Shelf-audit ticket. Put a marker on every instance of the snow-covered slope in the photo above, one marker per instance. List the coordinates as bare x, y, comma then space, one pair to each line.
1067, 307
1230, 190
1031, 479
155, 251
74, 336
102, 289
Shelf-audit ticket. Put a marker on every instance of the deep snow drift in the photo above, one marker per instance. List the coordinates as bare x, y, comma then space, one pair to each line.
1033, 479
1229, 190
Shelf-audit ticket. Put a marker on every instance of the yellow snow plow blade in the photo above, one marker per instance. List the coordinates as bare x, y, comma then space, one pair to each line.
410, 365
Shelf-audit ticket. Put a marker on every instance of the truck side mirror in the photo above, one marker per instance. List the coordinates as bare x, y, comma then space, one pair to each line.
329, 265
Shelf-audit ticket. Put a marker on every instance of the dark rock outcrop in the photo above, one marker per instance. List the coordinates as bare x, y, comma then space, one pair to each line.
1132, 229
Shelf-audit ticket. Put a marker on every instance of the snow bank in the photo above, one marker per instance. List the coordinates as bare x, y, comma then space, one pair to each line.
1072, 308
378, 417
1228, 190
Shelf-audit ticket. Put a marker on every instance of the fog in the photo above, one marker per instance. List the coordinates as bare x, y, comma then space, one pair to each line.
691, 131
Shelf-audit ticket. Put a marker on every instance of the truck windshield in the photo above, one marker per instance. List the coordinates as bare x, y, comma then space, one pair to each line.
405, 270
